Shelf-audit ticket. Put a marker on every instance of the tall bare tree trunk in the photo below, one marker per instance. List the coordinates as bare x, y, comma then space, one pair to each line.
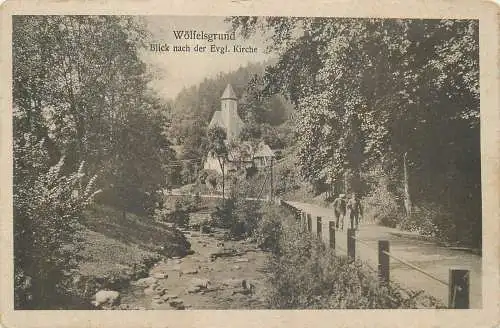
271, 194
407, 199
223, 183
345, 182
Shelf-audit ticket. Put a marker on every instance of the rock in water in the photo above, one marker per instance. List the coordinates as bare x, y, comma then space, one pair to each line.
106, 298
241, 260
160, 275
200, 282
190, 271
167, 297
193, 289
223, 252
176, 246
145, 282
149, 291
177, 304
161, 291
234, 283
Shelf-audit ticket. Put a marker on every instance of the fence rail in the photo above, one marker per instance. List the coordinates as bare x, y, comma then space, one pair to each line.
458, 280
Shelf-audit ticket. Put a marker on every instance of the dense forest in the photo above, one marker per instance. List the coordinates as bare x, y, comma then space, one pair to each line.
390, 105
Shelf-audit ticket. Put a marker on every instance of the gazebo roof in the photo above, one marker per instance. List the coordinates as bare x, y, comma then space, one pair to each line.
263, 150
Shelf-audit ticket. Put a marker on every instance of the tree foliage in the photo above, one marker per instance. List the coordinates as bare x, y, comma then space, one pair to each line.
79, 84
79, 92
366, 91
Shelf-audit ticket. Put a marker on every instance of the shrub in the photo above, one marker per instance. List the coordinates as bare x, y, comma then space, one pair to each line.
189, 203
431, 220
178, 215
269, 228
211, 180
47, 233
239, 216
303, 274
223, 215
247, 216
382, 206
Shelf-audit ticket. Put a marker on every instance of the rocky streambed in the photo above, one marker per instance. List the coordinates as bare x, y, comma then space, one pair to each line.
220, 274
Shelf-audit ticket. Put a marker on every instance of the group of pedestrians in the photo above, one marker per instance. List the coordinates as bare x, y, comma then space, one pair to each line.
351, 208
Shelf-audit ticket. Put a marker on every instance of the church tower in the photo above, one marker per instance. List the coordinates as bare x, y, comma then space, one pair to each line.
229, 110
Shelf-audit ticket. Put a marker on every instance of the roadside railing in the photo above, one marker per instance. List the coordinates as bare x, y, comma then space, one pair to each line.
458, 280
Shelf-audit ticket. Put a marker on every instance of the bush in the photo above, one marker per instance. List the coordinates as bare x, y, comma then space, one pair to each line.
189, 203
269, 228
303, 274
431, 220
223, 216
47, 232
382, 206
178, 215
211, 180
247, 216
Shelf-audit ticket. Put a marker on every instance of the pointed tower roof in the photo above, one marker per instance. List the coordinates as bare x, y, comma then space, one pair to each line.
229, 93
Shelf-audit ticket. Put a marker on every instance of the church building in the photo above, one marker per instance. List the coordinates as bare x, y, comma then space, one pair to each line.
228, 119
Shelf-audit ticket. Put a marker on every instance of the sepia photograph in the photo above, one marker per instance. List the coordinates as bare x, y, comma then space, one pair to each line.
227, 161
240, 162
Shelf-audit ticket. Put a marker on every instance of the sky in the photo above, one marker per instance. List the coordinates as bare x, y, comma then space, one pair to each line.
175, 70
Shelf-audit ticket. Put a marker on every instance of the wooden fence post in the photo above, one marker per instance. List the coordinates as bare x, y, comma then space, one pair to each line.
319, 228
309, 222
331, 230
383, 261
458, 292
351, 244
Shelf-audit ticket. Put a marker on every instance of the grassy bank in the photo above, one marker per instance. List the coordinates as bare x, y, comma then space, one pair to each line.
118, 249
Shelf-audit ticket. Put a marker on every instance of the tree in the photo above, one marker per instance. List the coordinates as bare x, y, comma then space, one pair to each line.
369, 90
217, 147
87, 95
79, 92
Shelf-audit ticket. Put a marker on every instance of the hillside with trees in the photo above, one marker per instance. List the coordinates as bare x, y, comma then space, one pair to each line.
266, 117
393, 106
80, 104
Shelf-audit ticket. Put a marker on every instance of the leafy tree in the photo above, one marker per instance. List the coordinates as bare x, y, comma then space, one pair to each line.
79, 91
87, 97
367, 91
217, 147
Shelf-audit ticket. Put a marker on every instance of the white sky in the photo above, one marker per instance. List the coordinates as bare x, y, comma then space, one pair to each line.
173, 71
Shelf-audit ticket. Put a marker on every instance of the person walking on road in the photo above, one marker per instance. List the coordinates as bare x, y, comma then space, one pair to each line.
355, 211
339, 208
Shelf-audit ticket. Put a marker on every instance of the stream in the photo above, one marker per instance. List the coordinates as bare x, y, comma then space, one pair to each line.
220, 274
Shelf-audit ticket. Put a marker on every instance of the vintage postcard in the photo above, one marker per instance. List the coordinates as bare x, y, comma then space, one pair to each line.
220, 164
